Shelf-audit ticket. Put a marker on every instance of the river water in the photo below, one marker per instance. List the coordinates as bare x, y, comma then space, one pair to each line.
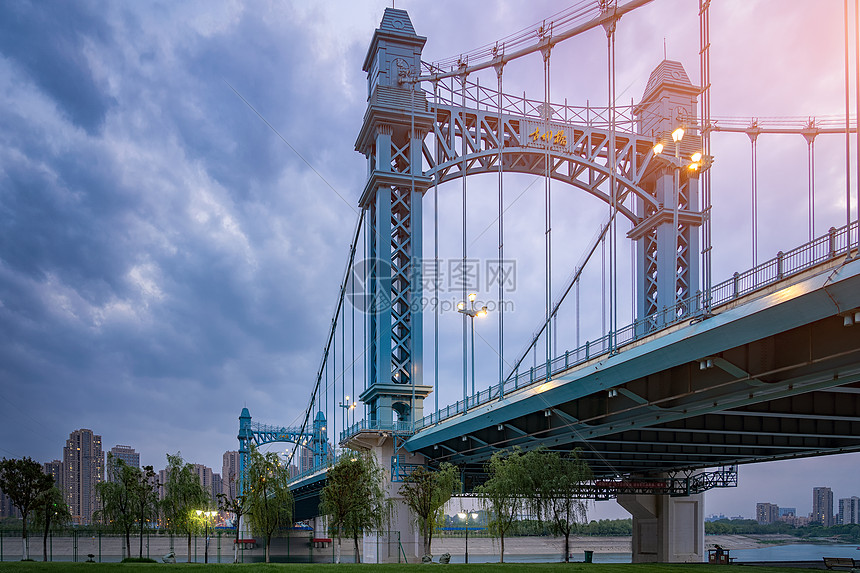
792, 552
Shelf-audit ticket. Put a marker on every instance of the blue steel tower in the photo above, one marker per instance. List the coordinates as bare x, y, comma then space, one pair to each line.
391, 137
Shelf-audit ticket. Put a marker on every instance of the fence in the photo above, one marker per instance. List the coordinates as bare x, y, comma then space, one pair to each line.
294, 546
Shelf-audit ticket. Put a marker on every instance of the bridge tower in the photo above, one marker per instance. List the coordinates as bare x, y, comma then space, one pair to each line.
395, 125
668, 529
667, 236
391, 137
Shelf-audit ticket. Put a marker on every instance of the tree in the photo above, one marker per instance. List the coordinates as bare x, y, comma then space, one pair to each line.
426, 493
130, 498
354, 497
145, 501
555, 495
50, 511
235, 506
504, 493
269, 499
118, 505
24, 481
183, 494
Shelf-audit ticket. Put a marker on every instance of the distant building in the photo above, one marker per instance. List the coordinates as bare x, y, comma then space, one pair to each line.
217, 486
124, 453
306, 459
795, 521
230, 474
766, 513
822, 506
162, 483
55, 470
6, 507
787, 512
210, 481
849, 511
83, 468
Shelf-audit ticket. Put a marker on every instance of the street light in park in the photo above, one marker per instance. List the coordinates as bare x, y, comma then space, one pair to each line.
471, 311
347, 406
206, 516
465, 516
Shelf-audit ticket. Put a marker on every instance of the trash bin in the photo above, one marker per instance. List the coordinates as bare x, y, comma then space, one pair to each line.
588, 556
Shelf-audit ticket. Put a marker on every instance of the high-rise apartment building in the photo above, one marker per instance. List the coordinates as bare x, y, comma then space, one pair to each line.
124, 453
83, 468
306, 459
209, 480
55, 470
849, 511
766, 513
6, 507
822, 506
162, 483
230, 474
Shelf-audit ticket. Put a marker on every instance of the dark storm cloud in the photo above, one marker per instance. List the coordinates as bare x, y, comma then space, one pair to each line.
47, 40
173, 255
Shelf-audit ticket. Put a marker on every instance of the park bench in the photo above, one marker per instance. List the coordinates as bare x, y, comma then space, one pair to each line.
847, 562
321, 542
246, 543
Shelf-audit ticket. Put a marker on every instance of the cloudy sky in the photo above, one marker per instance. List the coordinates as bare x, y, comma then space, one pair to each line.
166, 258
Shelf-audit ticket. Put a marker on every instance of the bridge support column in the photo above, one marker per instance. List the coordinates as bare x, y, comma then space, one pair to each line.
666, 529
402, 540
320, 525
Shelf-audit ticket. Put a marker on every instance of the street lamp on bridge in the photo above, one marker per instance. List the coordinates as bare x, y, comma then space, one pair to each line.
696, 162
471, 312
347, 406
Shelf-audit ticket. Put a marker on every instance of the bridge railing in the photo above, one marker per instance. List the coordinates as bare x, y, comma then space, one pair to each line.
486, 98
374, 425
836, 243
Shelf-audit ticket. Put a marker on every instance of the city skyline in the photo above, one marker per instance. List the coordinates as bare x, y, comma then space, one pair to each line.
165, 259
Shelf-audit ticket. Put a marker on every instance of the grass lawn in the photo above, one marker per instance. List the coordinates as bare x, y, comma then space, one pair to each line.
368, 568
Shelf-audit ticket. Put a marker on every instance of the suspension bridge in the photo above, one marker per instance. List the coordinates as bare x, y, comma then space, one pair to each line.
664, 402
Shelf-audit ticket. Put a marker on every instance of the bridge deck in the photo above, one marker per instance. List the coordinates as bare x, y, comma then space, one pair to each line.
774, 375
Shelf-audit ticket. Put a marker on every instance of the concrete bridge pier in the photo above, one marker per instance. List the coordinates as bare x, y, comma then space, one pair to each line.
320, 525
666, 529
402, 540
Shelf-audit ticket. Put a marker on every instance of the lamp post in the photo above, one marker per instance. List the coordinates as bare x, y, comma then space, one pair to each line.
347, 406
471, 312
465, 516
206, 515
697, 161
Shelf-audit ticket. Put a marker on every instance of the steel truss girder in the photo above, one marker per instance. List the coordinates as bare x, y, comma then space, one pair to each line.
583, 161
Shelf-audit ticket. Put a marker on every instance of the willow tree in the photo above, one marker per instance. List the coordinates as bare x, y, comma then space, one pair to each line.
505, 492
268, 499
556, 496
183, 495
130, 499
354, 497
426, 492
117, 511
